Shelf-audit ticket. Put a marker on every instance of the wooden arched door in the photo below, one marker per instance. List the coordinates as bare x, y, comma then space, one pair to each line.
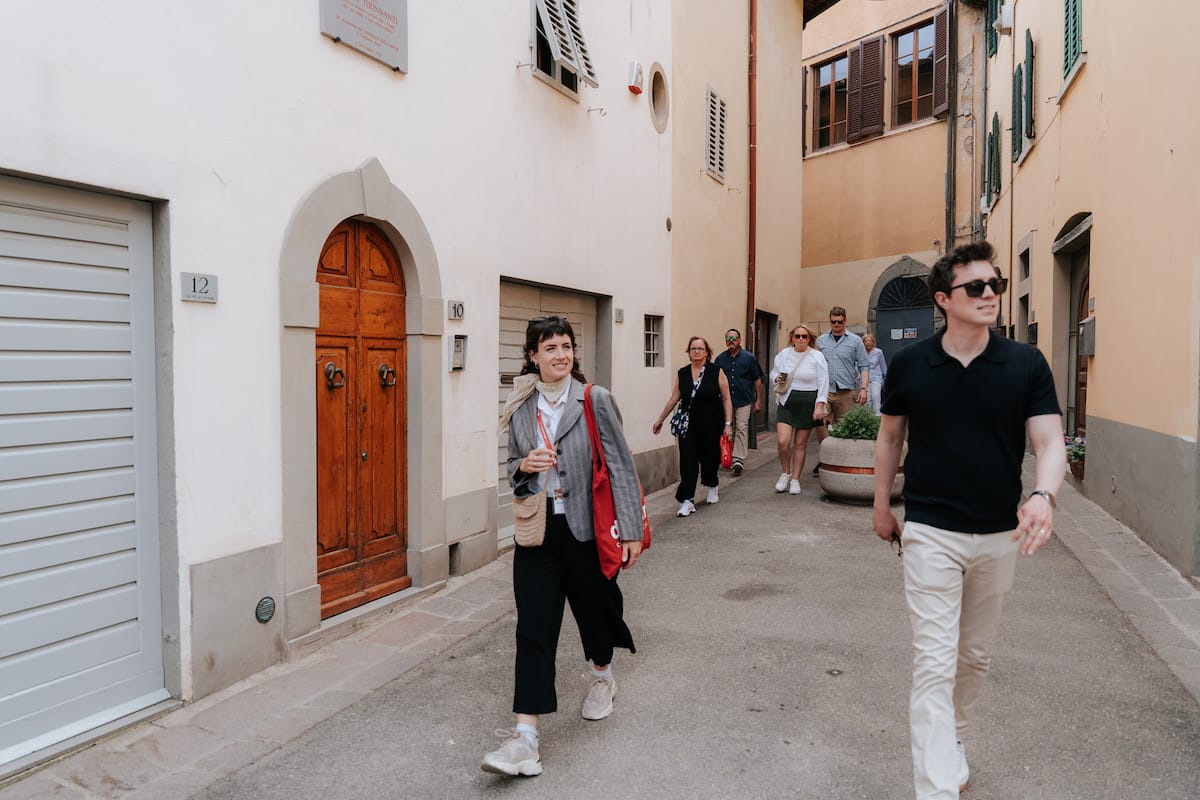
361, 420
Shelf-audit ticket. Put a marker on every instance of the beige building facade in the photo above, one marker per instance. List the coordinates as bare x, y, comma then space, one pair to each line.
1092, 204
889, 93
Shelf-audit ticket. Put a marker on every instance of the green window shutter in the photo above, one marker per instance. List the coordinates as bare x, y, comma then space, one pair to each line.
1018, 129
995, 154
1028, 88
987, 170
993, 38
1072, 33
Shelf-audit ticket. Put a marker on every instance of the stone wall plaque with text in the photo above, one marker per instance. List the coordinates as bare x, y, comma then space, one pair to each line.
377, 28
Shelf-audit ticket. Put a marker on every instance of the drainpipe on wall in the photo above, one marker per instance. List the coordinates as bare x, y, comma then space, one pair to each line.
981, 126
951, 125
751, 183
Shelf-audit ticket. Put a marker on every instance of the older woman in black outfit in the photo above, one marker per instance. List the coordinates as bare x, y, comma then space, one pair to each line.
550, 457
702, 390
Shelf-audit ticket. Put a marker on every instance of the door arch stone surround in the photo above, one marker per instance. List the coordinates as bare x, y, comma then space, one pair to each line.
903, 267
366, 193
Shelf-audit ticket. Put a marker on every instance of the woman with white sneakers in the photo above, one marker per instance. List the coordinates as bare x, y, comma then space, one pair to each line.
801, 380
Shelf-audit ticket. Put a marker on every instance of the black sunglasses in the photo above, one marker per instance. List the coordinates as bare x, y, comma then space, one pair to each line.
799, 335
897, 545
975, 288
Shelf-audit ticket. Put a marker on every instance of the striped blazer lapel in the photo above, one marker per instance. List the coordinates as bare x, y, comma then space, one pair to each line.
573, 411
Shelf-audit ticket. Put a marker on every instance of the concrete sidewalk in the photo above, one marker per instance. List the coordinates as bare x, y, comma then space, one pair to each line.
773, 662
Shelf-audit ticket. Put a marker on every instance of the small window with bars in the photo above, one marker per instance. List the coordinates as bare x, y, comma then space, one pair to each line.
718, 116
560, 53
653, 340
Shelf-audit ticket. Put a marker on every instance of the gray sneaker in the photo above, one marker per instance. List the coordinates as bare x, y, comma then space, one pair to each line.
515, 757
598, 702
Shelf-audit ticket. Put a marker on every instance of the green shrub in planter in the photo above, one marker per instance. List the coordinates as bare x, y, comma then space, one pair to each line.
857, 423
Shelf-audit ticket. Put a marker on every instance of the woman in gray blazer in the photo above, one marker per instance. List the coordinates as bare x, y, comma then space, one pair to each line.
549, 453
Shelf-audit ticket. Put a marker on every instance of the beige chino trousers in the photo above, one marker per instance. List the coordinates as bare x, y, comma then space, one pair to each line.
955, 585
741, 431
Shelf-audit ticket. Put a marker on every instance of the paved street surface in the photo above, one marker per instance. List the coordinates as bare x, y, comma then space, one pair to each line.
773, 662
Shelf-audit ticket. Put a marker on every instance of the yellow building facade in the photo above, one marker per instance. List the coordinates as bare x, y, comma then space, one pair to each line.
1060, 141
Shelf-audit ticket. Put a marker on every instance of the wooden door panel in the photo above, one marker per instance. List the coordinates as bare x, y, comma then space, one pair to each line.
337, 437
382, 483
380, 315
361, 427
379, 269
339, 311
333, 267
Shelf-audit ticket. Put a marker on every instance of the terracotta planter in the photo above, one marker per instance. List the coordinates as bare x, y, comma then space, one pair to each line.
848, 470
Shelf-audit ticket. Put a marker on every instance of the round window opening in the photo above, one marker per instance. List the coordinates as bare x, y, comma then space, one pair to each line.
660, 104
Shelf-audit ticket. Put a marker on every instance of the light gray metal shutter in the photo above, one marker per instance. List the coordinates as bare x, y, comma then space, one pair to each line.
518, 304
80, 616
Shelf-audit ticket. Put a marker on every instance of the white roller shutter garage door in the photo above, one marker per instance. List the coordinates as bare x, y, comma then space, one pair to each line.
80, 616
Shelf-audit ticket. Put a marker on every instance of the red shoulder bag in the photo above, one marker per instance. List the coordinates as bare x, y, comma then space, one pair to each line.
604, 510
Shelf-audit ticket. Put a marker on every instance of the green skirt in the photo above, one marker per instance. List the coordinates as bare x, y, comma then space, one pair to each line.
797, 410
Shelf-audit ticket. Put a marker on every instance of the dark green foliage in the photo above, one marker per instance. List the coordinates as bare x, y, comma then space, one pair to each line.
857, 423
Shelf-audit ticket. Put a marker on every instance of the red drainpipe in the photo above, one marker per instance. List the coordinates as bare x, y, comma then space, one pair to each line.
751, 190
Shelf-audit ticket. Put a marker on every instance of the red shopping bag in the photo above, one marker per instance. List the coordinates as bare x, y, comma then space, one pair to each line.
604, 510
726, 452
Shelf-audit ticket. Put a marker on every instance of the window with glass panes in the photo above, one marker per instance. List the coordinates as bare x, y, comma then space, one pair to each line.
652, 330
913, 75
830, 97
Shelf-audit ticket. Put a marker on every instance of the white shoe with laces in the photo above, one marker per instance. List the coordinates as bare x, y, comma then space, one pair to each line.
712, 498
517, 756
781, 485
793, 487
686, 508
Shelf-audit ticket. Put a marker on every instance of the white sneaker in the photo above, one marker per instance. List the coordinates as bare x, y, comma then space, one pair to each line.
517, 756
793, 487
685, 508
781, 485
712, 498
964, 771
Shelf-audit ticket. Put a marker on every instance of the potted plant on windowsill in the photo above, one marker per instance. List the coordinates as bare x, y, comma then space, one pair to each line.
1076, 450
848, 458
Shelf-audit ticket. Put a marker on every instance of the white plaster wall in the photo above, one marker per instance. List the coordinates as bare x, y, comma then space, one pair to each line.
232, 112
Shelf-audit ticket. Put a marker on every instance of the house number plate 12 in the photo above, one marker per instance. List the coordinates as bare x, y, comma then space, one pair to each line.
198, 287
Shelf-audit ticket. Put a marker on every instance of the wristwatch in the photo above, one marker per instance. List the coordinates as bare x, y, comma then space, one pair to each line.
1045, 494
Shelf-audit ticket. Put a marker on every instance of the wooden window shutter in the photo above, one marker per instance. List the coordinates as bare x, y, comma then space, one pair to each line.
1072, 34
872, 86
567, 45
714, 155
587, 70
853, 95
987, 169
804, 111
941, 62
989, 32
994, 156
1028, 88
1018, 128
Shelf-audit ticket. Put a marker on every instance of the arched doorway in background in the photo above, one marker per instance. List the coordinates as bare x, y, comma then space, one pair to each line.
903, 314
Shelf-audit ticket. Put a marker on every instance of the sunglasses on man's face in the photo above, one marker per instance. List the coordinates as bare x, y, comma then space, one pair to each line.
837, 322
731, 339
975, 288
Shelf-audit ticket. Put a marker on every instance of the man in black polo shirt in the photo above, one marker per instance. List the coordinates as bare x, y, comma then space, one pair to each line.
966, 399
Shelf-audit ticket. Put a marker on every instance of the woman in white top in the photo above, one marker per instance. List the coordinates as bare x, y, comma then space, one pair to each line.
878, 366
801, 379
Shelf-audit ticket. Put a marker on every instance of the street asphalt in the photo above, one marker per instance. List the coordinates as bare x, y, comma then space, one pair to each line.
773, 662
